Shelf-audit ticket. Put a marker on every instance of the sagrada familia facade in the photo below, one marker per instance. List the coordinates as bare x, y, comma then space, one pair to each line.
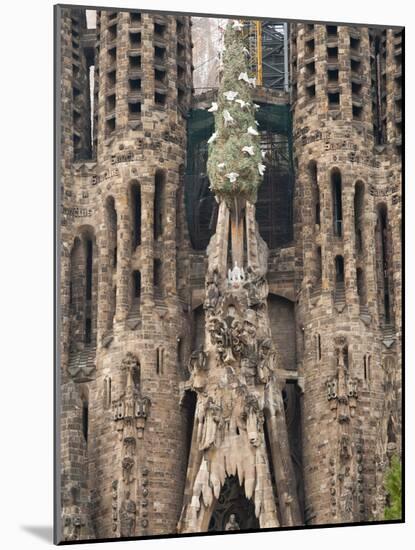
230, 337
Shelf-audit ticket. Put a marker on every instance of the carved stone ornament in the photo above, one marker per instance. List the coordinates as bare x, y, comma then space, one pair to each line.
127, 516
342, 390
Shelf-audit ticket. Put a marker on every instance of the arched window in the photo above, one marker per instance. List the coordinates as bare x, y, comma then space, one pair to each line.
83, 306
136, 285
339, 294
336, 190
89, 260
383, 261
112, 221
358, 214
136, 214
361, 287
339, 270
159, 200
85, 419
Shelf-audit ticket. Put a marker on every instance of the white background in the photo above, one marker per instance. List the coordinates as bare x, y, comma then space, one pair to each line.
26, 255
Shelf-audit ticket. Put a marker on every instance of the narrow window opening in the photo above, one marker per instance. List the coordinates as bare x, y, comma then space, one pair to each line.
332, 54
135, 17
135, 84
334, 99
311, 91
134, 109
309, 47
160, 75
111, 79
135, 39
136, 215
112, 33
112, 55
88, 269
88, 330
358, 215
85, 420
345, 352
159, 99
310, 69
159, 29
159, 53
355, 65
111, 103
159, 189
333, 76
135, 61
361, 286
339, 270
336, 186
354, 44
319, 265
180, 51
318, 347
157, 274
159, 361
137, 284
331, 30
110, 125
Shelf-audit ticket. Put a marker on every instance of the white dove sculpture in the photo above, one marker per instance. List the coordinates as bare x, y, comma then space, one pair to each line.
230, 96
213, 137
237, 26
214, 107
252, 131
232, 176
261, 168
249, 149
242, 103
244, 77
228, 118
221, 165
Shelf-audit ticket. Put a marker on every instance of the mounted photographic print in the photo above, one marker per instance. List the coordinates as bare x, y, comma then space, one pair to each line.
229, 285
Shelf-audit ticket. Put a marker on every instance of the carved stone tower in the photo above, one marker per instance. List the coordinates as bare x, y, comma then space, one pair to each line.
347, 113
230, 275
124, 315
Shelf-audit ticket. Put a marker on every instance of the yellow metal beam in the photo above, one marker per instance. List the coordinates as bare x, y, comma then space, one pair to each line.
258, 32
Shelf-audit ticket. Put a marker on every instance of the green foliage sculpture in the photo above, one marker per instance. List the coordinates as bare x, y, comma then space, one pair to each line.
393, 486
235, 166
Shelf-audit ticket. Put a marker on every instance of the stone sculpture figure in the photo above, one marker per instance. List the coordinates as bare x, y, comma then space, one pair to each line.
127, 516
212, 290
232, 524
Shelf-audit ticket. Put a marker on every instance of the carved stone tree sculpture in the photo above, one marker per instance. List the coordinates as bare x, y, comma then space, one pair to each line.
236, 376
235, 167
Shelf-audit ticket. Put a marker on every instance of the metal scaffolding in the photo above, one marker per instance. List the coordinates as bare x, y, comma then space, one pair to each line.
268, 45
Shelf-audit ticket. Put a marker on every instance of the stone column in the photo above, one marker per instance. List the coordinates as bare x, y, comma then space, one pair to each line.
147, 241
349, 243
123, 258
344, 74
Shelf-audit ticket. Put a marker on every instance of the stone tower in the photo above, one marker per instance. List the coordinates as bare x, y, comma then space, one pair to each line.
313, 372
346, 98
124, 308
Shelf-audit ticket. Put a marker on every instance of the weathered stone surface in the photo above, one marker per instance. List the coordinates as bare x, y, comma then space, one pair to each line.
138, 304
